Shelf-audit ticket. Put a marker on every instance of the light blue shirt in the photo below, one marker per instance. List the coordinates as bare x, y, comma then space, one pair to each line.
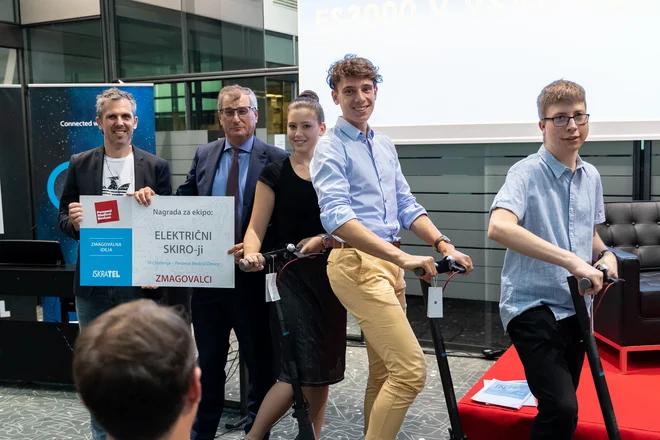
221, 174
359, 177
562, 208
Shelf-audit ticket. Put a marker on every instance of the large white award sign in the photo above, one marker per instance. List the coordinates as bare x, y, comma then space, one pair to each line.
177, 241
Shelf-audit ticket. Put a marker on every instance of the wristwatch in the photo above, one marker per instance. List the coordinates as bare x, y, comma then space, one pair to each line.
325, 238
440, 239
600, 255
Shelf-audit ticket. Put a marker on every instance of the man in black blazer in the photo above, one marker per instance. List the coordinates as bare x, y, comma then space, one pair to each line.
115, 168
216, 311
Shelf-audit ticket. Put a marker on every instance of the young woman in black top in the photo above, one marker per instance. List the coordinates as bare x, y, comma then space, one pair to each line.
316, 319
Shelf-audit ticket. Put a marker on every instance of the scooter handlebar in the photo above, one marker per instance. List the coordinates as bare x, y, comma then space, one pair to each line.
585, 283
244, 264
447, 264
288, 249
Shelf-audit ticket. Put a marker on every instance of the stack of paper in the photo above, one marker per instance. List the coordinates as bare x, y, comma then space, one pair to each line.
511, 393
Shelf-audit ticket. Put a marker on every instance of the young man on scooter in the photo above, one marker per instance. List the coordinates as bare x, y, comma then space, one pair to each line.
364, 200
545, 215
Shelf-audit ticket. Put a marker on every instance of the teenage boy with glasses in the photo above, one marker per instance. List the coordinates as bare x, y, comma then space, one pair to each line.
545, 215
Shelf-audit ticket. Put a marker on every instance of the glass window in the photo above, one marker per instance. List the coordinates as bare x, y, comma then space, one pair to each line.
151, 42
248, 55
204, 50
215, 45
68, 52
148, 39
273, 98
170, 106
8, 66
279, 50
279, 94
7, 10
205, 99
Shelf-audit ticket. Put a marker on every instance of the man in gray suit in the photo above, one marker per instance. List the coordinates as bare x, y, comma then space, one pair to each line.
231, 167
115, 168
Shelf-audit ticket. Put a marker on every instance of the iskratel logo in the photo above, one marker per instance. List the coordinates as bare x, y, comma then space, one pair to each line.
105, 274
107, 211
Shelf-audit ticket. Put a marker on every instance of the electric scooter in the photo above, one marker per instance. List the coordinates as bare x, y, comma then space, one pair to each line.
456, 432
446, 265
602, 390
300, 407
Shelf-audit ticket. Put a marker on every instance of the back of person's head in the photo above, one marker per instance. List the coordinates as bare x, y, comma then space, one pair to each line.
560, 91
134, 367
352, 66
309, 100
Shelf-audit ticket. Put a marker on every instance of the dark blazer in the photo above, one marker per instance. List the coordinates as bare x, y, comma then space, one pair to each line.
199, 181
84, 179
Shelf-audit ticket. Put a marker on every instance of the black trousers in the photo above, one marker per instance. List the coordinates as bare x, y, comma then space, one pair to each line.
552, 353
215, 312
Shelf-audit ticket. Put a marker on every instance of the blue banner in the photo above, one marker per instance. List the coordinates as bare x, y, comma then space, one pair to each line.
62, 123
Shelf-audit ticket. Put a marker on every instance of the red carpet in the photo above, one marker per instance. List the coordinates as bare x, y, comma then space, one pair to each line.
635, 396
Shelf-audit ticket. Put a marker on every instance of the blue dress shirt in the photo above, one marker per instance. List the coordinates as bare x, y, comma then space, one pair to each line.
359, 177
562, 208
220, 180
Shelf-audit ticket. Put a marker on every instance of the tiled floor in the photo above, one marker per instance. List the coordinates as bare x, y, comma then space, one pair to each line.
46, 413
39, 413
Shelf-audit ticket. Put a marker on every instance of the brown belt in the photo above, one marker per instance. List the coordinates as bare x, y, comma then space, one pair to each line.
332, 243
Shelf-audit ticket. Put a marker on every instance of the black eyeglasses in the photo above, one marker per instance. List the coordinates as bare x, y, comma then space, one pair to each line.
562, 121
230, 112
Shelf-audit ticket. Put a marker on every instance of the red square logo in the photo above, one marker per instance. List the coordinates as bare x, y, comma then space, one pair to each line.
106, 211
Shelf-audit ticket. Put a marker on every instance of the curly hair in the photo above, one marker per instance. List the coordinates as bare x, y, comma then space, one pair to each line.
352, 66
